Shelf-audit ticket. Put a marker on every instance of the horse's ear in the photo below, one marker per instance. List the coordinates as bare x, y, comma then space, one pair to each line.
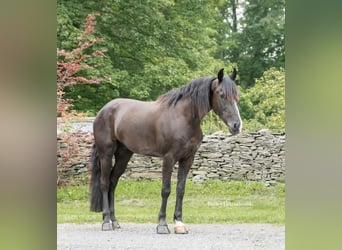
233, 74
220, 75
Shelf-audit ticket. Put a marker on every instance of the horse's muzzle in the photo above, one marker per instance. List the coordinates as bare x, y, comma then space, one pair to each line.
235, 128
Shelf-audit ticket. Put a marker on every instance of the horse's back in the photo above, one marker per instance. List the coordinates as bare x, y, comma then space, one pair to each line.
131, 122
121, 107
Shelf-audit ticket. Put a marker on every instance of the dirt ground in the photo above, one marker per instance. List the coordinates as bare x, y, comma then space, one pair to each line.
143, 236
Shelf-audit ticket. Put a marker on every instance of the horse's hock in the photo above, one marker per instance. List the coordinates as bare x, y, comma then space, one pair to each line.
254, 156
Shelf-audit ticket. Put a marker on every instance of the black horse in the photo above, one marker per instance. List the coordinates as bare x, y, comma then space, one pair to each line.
169, 128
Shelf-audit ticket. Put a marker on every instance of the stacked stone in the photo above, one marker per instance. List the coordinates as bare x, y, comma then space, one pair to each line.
143, 167
253, 156
73, 155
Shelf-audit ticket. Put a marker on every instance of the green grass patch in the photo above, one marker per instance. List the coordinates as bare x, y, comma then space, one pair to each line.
210, 202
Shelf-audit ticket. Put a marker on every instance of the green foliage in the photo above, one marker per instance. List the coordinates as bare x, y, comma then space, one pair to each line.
255, 41
68, 25
154, 46
212, 123
263, 105
210, 202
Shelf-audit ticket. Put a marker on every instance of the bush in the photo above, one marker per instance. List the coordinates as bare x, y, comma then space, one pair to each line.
263, 105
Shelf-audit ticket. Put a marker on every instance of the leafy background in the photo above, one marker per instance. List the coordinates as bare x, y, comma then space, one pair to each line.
149, 47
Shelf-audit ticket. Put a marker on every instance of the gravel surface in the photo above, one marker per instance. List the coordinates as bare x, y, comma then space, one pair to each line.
143, 236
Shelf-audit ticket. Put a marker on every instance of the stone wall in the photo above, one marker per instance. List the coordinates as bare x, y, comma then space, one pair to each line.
255, 156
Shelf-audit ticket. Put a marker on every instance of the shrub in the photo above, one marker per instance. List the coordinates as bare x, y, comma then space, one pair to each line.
263, 105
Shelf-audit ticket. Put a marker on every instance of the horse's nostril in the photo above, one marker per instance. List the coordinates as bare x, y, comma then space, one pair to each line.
236, 125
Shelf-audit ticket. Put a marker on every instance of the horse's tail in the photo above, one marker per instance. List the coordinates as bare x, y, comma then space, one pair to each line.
95, 184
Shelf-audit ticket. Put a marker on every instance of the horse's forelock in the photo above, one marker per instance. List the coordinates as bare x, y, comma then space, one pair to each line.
230, 89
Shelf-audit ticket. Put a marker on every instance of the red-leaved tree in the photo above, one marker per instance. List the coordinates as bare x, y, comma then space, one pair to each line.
71, 62
69, 65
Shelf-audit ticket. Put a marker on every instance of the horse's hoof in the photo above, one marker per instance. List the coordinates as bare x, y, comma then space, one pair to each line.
106, 226
180, 228
163, 229
115, 225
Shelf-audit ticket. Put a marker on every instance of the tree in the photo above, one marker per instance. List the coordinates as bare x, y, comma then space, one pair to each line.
71, 26
254, 38
71, 63
76, 67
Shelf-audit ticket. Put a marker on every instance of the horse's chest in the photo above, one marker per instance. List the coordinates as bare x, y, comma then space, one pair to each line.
190, 145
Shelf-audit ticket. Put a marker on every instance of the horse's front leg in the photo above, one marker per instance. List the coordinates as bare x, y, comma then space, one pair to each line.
184, 167
168, 163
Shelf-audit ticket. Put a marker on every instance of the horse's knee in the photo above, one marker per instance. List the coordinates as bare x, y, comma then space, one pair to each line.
166, 190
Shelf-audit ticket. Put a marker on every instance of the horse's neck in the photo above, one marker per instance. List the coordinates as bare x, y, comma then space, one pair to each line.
193, 118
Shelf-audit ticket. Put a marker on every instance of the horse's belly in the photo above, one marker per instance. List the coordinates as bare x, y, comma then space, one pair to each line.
140, 143
148, 151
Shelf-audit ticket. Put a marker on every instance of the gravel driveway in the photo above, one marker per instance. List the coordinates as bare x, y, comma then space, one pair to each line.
143, 236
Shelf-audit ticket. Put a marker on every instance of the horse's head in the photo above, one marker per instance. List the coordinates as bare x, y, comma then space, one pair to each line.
224, 101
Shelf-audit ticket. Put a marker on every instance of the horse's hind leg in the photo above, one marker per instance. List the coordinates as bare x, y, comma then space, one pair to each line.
106, 155
122, 157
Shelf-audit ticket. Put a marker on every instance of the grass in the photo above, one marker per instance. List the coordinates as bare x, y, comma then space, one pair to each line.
210, 202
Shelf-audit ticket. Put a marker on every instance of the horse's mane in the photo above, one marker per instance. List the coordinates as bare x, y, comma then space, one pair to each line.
199, 90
